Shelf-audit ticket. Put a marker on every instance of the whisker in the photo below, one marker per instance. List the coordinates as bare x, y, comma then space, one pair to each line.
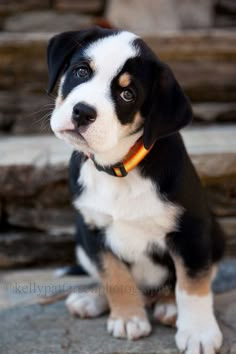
42, 119
41, 110
44, 123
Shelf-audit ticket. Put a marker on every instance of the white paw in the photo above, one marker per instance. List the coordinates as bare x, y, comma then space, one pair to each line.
200, 339
165, 313
131, 328
198, 331
87, 304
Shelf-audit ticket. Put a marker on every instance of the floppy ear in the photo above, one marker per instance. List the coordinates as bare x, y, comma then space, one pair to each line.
167, 109
60, 50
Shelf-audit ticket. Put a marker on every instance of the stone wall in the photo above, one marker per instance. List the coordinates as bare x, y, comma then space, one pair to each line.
36, 218
36, 213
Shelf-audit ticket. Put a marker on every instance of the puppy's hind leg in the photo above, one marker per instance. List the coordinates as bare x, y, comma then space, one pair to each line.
165, 310
87, 304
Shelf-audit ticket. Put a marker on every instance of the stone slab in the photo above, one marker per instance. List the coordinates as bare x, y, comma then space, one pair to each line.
46, 21
28, 286
22, 113
31, 165
22, 248
88, 6
29, 114
214, 112
206, 145
47, 244
222, 195
33, 329
7, 7
51, 330
203, 62
152, 14
34, 192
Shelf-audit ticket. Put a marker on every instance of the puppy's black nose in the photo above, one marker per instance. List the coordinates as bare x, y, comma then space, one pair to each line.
83, 115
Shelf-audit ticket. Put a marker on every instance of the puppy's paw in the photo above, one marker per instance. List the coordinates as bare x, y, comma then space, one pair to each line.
87, 305
165, 313
199, 339
131, 328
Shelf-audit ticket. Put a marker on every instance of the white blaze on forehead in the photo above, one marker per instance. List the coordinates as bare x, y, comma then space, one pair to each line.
110, 53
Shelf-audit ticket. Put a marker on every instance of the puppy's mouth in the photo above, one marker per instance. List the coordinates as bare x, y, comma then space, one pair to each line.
74, 136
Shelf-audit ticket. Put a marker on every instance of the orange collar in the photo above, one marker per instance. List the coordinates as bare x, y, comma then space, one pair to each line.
135, 155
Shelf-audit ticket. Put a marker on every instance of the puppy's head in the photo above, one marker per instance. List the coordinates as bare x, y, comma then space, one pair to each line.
112, 90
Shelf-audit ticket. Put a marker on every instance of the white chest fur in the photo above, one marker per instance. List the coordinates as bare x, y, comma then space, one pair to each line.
129, 209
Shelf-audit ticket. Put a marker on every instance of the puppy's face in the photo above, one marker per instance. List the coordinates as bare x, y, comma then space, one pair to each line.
104, 91
99, 98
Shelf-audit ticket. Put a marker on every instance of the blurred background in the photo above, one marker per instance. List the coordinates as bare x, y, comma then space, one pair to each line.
196, 38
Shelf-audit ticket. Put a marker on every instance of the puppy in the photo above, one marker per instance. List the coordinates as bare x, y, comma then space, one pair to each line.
144, 229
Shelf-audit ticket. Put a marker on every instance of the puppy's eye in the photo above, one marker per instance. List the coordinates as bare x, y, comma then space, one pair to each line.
82, 72
127, 95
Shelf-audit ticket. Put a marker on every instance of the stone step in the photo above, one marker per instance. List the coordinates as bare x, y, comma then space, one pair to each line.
29, 113
15, 6
21, 247
203, 61
152, 16
209, 112
47, 21
25, 325
22, 113
35, 202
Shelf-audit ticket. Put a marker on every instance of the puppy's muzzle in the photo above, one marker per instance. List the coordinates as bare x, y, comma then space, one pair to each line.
83, 115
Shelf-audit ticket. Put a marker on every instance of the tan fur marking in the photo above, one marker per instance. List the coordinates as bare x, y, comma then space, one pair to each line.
167, 299
123, 295
59, 101
200, 285
124, 80
164, 295
92, 65
136, 124
169, 321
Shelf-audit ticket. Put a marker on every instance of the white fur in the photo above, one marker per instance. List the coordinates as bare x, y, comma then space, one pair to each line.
132, 214
88, 304
146, 273
132, 328
164, 311
86, 263
108, 56
196, 324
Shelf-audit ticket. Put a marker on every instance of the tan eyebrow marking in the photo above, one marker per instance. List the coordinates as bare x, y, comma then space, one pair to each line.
124, 80
92, 65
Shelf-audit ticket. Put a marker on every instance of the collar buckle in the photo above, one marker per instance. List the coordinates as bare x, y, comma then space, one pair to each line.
119, 170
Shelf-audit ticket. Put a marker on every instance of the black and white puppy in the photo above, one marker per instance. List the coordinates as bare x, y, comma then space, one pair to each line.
143, 224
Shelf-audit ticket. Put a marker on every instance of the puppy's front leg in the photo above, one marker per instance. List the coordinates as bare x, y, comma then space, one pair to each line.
197, 329
128, 318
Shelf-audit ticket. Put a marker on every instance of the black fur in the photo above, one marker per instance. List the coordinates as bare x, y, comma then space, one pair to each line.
199, 239
62, 47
